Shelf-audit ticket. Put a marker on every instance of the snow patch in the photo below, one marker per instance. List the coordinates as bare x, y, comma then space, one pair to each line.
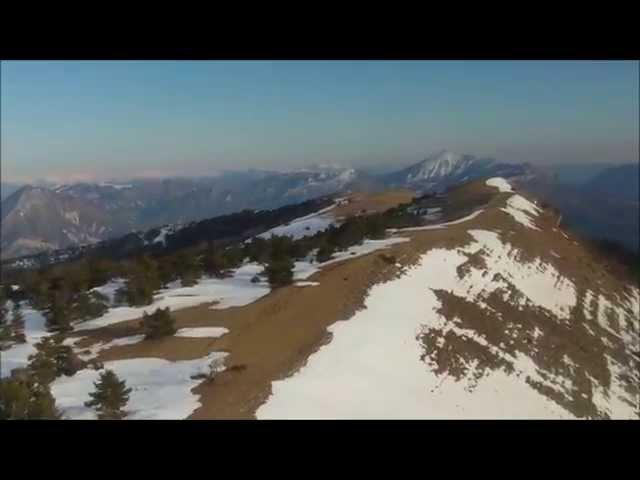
93, 351
35, 330
500, 183
72, 217
202, 332
379, 346
235, 291
522, 210
109, 289
161, 390
304, 226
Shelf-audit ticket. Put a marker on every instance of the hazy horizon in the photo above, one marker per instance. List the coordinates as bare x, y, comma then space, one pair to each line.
99, 121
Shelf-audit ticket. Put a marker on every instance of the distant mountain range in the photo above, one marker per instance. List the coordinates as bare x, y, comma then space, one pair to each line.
52, 217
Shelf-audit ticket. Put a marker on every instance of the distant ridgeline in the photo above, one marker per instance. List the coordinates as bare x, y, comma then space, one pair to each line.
221, 230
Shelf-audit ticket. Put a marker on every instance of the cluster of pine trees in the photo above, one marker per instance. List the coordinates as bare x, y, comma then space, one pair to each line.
26, 399
64, 291
26, 395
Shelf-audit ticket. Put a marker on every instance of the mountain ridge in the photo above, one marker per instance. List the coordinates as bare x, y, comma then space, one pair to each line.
488, 310
141, 204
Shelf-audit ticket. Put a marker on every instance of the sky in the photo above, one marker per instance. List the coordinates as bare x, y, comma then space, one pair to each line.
80, 120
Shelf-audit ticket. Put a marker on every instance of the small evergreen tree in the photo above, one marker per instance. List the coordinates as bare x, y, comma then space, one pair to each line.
257, 249
90, 305
42, 365
325, 253
188, 267
5, 327
279, 272
233, 256
143, 279
110, 397
214, 262
17, 324
58, 314
52, 359
215, 366
3, 307
26, 400
158, 324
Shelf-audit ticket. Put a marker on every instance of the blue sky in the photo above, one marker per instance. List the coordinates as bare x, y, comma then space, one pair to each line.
72, 120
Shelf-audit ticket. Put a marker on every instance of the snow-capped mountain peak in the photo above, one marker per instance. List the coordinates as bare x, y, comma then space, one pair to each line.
445, 168
439, 165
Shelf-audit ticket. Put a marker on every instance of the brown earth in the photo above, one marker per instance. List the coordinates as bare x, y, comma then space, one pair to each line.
373, 202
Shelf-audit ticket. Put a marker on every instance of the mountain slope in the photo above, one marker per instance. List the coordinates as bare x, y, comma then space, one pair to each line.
498, 316
621, 182
490, 312
605, 208
36, 219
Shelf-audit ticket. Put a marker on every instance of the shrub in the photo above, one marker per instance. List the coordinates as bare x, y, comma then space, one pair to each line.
17, 324
279, 272
6, 331
325, 253
26, 400
257, 249
215, 366
214, 262
189, 278
90, 305
143, 279
135, 292
188, 267
233, 257
158, 324
53, 359
110, 397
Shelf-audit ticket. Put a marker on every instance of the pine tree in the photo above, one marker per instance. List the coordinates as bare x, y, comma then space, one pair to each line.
189, 268
325, 253
58, 314
17, 324
26, 400
42, 364
214, 262
52, 359
5, 327
279, 272
3, 307
143, 279
90, 305
158, 324
233, 256
109, 397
